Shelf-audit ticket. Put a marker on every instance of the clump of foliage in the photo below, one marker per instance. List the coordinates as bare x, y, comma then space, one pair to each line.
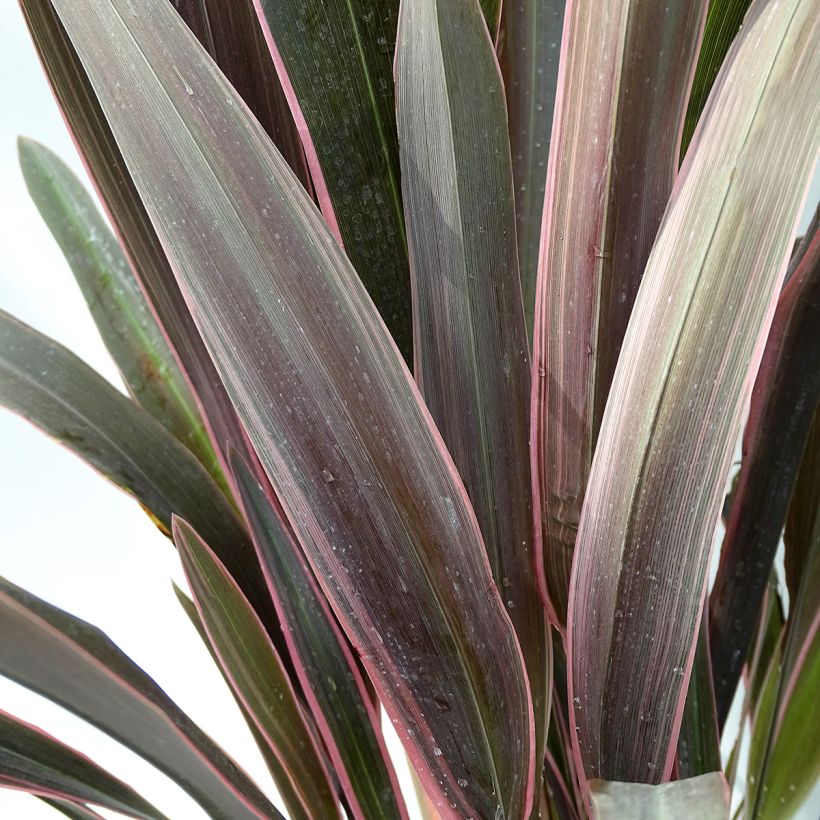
439, 323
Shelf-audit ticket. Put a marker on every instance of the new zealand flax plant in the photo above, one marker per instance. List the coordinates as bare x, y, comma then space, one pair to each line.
440, 323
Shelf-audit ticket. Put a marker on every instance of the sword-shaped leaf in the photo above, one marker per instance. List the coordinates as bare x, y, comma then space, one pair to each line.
529, 49
75, 665
614, 155
117, 304
76, 811
255, 671
784, 400
34, 761
334, 59
362, 474
338, 696
471, 351
690, 354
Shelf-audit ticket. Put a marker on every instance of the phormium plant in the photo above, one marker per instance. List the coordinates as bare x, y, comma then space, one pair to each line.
440, 322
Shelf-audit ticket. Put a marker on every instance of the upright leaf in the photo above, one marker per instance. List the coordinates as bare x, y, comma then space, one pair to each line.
77, 666
626, 67
255, 671
334, 59
117, 304
362, 474
685, 374
784, 401
348, 721
529, 49
33, 761
471, 350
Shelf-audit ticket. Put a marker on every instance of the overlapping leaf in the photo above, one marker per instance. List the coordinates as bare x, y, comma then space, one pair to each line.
613, 160
692, 347
324, 395
471, 351
255, 671
76, 665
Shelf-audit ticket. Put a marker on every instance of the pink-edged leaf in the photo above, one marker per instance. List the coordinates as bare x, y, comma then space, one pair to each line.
471, 350
334, 59
347, 718
529, 47
705, 797
362, 474
75, 665
31, 760
784, 400
623, 84
230, 32
690, 354
256, 674
107, 169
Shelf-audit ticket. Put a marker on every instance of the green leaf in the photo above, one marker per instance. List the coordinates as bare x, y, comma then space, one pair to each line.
33, 761
705, 797
472, 363
678, 398
75, 665
361, 473
255, 672
784, 401
529, 47
76, 811
348, 721
118, 306
722, 25
335, 61
615, 144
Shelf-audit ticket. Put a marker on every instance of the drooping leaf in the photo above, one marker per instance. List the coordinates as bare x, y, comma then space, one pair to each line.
75, 665
255, 671
50, 387
362, 475
333, 685
34, 761
784, 401
722, 24
683, 379
117, 304
334, 59
471, 351
705, 797
140, 242
615, 149
230, 32
529, 49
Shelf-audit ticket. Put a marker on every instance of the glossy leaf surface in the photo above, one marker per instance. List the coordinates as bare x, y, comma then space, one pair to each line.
471, 351
322, 392
615, 147
690, 354
77, 666
256, 674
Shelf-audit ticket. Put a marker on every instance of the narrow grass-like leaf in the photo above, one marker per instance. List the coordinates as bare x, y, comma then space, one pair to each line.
690, 354
257, 675
722, 24
76, 811
705, 797
75, 665
471, 349
615, 148
117, 304
338, 696
361, 472
784, 401
142, 246
529, 49
39, 763
334, 59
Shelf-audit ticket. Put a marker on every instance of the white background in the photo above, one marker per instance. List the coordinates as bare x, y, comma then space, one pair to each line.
65, 533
